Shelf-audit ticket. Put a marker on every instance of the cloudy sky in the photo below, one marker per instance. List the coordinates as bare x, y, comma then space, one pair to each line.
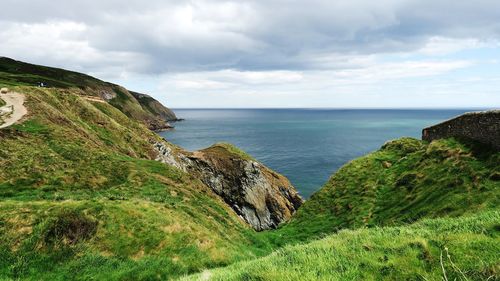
270, 53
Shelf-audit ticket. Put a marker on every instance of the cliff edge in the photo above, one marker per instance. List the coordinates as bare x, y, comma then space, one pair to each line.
262, 197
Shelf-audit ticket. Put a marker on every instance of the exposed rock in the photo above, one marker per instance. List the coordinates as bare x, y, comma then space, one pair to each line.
386, 164
262, 197
158, 125
107, 95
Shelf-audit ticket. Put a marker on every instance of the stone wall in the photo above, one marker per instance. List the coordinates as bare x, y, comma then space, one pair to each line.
481, 126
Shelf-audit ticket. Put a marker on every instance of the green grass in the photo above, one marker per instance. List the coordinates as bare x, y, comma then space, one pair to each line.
15, 73
468, 248
76, 164
405, 181
223, 149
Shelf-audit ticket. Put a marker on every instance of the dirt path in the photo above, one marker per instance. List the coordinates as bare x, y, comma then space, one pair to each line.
96, 99
14, 109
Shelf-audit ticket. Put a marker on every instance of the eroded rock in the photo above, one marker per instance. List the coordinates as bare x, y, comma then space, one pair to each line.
262, 197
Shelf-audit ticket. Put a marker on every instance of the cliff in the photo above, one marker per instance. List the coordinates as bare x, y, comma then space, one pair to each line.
483, 127
155, 107
262, 197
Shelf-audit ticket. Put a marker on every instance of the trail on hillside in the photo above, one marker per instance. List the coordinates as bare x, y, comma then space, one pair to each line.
96, 99
14, 108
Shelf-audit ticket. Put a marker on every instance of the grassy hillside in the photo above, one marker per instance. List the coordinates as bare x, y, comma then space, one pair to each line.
404, 181
465, 248
80, 198
153, 106
16, 73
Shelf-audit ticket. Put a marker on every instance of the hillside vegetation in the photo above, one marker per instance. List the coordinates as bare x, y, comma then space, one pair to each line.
465, 248
404, 181
137, 106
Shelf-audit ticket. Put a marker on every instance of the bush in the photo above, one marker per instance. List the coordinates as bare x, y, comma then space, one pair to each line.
70, 227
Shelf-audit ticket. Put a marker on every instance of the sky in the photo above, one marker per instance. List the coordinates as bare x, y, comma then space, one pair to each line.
270, 53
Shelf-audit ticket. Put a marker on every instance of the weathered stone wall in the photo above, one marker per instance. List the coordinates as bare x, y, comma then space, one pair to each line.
481, 126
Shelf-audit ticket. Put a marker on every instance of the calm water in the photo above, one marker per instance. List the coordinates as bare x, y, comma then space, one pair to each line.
306, 145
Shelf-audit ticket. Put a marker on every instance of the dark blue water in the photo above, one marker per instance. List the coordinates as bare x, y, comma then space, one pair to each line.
306, 145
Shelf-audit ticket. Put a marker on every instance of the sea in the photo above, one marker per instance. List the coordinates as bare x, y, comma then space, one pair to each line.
305, 145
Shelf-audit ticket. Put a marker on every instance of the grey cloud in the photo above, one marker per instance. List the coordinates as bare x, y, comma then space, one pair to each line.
176, 36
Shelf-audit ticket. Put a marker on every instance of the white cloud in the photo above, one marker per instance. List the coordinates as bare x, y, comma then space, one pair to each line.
442, 45
394, 71
262, 51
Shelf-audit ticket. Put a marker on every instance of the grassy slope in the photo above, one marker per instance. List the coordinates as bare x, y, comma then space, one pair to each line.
79, 198
404, 181
151, 105
469, 247
16, 73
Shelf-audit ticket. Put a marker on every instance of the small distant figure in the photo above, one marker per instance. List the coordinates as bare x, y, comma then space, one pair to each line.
4, 90
41, 84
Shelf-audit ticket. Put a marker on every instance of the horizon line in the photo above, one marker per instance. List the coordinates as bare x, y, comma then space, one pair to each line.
344, 108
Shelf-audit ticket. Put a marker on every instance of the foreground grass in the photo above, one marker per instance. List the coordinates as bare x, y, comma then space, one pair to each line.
466, 248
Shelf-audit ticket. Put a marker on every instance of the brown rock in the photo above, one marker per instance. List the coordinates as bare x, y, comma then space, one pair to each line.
262, 197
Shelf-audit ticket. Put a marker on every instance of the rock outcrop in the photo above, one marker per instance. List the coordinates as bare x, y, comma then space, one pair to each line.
483, 127
262, 197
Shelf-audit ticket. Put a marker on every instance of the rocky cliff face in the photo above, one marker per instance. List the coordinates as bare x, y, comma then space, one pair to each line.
262, 197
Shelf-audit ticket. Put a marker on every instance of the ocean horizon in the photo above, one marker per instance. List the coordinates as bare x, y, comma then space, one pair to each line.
306, 145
